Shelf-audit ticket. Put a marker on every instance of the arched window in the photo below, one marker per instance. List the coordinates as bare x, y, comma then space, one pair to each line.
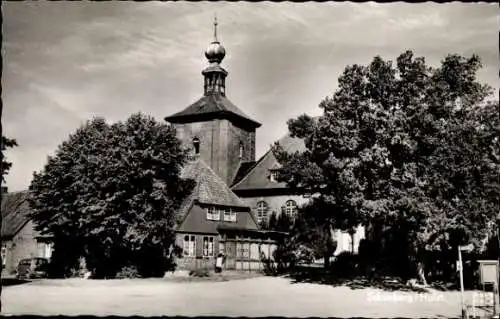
196, 145
262, 211
291, 208
241, 150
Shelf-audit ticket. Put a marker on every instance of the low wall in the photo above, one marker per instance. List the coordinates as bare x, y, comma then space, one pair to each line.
190, 263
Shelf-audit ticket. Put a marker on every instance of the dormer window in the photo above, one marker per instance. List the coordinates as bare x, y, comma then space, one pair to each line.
229, 215
273, 175
213, 213
196, 145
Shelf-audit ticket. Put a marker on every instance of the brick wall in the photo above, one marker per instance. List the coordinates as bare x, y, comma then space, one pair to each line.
274, 202
237, 136
219, 144
197, 261
343, 238
191, 263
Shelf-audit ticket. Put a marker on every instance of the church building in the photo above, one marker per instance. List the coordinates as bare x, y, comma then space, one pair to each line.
235, 192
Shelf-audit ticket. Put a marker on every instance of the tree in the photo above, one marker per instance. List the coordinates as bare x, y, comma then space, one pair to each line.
380, 154
311, 233
6, 165
110, 194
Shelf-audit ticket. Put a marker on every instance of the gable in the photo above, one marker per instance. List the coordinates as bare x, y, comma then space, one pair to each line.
258, 176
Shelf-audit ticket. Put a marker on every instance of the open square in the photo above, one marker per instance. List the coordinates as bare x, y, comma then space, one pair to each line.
259, 296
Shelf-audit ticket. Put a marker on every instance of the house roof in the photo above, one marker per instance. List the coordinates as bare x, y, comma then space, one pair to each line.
243, 170
195, 221
258, 176
15, 210
211, 105
210, 188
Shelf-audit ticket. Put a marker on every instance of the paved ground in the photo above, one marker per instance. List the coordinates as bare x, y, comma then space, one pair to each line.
261, 296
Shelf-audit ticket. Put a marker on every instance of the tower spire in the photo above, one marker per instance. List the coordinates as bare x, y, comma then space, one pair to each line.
215, 29
214, 74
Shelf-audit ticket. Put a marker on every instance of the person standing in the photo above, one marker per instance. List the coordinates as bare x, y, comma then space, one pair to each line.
219, 262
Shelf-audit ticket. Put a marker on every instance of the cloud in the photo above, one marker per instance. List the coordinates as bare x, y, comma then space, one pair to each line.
416, 22
65, 62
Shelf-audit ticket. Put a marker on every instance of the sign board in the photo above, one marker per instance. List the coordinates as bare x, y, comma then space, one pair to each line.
469, 247
488, 270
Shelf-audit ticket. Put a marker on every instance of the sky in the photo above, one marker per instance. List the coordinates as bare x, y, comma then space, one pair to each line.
66, 62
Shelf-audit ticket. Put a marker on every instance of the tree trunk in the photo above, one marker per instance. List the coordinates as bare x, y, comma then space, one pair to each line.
421, 272
329, 247
326, 261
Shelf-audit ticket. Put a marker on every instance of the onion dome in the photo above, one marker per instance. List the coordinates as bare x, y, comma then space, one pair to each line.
215, 51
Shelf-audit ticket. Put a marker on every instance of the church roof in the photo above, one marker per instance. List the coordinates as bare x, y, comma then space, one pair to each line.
210, 188
210, 106
258, 176
15, 209
243, 170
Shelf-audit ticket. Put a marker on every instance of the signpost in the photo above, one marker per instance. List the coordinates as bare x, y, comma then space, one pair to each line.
467, 248
489, 271
498, 251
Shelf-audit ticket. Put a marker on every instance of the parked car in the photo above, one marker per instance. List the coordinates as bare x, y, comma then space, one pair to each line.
32, 268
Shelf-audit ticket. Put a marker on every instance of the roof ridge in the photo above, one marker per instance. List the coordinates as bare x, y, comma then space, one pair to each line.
217, 101
238, 169
252, 169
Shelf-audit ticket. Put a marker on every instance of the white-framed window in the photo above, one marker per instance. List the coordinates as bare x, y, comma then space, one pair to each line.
229, 215
189, 247
4, 254
208, 246
242, 250
44, 249
291, 208
213, 213
262, 211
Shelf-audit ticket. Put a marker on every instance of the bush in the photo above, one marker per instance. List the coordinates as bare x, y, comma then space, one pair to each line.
78, 270
345, 265
304, 254
128, 272
269, 265
199, 273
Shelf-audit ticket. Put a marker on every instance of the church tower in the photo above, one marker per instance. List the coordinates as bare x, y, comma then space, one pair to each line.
213, 128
